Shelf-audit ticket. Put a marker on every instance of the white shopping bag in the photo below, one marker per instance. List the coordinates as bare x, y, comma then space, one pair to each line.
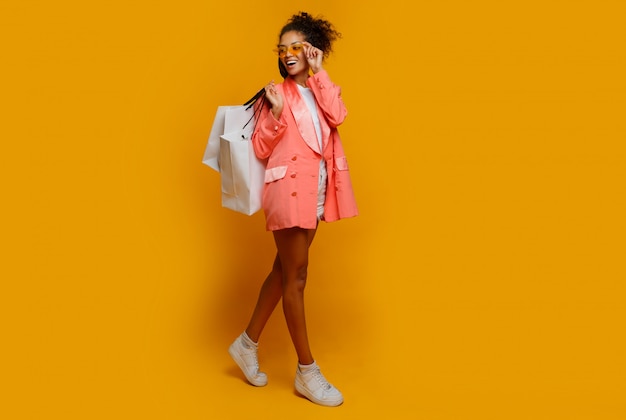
229, 151
242, 173
212, 150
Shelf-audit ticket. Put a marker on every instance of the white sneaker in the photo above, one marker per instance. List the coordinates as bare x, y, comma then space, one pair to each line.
316, 388
245, 356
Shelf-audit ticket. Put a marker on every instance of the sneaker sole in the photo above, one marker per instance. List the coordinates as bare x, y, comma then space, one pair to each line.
242, 366
305, 393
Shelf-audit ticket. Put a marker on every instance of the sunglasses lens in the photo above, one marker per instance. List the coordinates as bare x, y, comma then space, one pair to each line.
293, 49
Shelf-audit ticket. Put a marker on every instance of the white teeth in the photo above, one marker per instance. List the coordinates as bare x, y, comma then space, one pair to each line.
290, 63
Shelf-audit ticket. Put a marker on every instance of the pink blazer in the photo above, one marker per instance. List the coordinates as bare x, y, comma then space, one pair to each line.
292, 151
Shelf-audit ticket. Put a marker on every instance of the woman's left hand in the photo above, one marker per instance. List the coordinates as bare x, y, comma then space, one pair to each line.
314, 57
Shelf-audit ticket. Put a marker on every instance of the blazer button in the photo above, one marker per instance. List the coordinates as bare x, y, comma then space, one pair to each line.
294, 158
293, 175
293, 194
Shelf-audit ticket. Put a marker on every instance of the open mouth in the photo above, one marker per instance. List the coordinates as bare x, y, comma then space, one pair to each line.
291, 63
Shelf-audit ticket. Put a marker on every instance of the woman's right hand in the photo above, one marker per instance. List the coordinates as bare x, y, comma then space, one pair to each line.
275, 98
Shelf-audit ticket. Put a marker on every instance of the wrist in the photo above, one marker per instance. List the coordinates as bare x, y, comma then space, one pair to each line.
276, 113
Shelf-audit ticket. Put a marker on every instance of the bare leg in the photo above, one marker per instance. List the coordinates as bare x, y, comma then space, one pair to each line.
270, 294
293, 252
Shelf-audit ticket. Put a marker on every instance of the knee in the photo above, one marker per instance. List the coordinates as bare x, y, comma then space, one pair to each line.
301, 274
296, 282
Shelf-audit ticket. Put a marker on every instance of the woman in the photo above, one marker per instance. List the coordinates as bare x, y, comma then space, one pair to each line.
306, 181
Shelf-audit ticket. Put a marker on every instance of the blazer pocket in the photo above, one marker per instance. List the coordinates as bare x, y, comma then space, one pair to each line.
275, 173
341, 163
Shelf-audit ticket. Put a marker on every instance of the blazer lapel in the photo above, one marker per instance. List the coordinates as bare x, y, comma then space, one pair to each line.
302, 116
325, 128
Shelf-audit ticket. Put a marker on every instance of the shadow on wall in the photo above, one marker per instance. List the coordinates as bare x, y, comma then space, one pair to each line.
246, 253
333, 300
337, 302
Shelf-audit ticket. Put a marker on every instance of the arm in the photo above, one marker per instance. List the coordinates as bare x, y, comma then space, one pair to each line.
268, 131
328, 97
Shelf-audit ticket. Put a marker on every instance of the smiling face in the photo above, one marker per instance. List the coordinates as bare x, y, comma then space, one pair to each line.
293, 59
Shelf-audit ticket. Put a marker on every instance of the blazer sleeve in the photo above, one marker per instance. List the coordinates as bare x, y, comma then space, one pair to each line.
328, 97
267, 133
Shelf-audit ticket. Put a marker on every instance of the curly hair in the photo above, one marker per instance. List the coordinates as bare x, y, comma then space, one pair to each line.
319, 32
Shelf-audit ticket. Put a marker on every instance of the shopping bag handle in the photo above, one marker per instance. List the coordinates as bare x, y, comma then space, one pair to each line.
248, 104
257, 110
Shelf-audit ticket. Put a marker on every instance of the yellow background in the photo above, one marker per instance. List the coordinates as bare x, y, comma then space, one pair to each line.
484, 278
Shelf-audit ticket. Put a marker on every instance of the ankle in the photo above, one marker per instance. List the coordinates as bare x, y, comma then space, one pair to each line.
304, 368
246, 338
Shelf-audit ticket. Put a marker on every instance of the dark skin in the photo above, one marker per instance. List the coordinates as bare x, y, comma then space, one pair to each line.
308, 59
287, 280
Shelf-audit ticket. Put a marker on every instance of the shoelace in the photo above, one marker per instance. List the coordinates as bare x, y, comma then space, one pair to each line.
321, 379
253, 350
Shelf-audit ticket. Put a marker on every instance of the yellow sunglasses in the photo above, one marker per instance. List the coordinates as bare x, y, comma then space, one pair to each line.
294, 49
